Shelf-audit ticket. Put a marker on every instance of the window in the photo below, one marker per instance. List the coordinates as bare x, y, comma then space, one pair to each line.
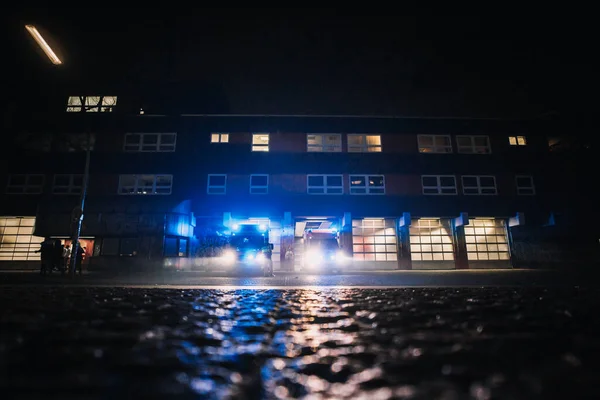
259, 184
324, 143
175, 247
110, 247
473, 144
73, 142
364, 143
431, 240
33, 141
324, 184
67, 184
91, 103
119, 247
367, 184
25, 184
434, 144
479, 184
438, 184
260, 142
216, 184
145, 184
517, 140
374, 239
154, 142
486, 239
525, 185
219, 138
17, 242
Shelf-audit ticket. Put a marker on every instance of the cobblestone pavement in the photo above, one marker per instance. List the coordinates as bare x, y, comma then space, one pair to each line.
405, 343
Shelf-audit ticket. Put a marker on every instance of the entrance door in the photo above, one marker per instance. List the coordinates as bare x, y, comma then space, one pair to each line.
86, 244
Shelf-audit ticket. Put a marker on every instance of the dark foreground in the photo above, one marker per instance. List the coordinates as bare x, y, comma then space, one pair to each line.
405, 343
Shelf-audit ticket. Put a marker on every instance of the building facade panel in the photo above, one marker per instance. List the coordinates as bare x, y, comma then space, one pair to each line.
144, 167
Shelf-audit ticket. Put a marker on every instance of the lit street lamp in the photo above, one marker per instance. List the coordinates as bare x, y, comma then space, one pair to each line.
37, 36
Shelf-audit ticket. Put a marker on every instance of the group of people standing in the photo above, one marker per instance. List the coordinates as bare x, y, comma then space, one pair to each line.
56, 257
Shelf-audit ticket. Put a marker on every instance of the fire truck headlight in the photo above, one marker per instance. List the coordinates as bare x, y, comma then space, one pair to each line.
229, 257
314, 257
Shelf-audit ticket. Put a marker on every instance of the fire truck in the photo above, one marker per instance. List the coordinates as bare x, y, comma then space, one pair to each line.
248, 249
322, 251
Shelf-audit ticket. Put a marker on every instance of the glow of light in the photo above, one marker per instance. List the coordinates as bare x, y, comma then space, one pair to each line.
236, 227
341, 258
262, 227
314, 256
42, 43
229, 257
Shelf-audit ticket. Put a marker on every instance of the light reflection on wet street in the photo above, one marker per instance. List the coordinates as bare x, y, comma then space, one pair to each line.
406, 343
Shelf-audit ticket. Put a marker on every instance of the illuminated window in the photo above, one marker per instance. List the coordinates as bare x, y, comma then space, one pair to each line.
216, 184
473, 144
91, 103
150, 142
260, 142
486, 239
259, 184
324, 184
517, 140
25, 184
434, 144
364, 143
438, 184
367, 184
145, 184
67, 184
324, 143
525, 185
374, 240
482, 185
17, 242
431, 240
219, 137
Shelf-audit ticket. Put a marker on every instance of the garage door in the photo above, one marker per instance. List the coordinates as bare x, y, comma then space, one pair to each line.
374, 239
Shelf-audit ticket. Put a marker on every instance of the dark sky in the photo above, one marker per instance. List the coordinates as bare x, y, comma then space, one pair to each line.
302, 62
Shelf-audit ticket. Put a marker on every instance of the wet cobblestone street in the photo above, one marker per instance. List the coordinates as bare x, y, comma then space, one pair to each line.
405, 343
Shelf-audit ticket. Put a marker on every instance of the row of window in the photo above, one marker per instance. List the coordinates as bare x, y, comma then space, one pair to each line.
320, 143
472, 185
359, 143
161, 184
375, 184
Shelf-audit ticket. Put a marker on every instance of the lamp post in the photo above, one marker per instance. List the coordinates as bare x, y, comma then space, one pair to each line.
77, 214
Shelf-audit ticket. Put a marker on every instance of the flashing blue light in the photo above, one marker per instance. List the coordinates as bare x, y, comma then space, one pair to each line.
262, 227
235, 227
333, 228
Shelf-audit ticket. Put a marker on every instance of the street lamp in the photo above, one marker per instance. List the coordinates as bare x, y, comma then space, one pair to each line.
37, 36
77, 214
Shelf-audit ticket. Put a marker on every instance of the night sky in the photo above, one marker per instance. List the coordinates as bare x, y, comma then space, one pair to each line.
314, 62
